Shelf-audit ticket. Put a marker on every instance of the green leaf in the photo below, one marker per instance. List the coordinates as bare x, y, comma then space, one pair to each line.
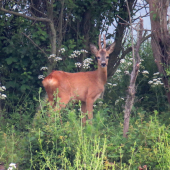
11, 84
24, 87
11, 60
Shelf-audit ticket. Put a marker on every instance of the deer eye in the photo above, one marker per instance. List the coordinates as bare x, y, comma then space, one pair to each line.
98, 57
107, 57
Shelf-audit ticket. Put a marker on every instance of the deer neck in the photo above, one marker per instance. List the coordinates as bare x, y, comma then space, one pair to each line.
102, 74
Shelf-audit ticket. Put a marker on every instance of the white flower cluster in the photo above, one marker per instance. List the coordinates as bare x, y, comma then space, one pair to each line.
122, 61
155, 81
118, 100
2, 88
84, 51
62, 50
100, 103
12, 166
2, 96
118, 71
57, 59
76, 53
112, 84
51, 56
87, 62
129, 63
155, 74
41, 77
44, 68
145, 72
54, 56
126, 72
78, 64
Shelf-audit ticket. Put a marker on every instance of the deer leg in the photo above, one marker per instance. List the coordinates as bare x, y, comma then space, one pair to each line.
84, 111
89, 106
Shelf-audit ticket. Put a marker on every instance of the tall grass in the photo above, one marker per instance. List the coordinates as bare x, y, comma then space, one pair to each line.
48, 144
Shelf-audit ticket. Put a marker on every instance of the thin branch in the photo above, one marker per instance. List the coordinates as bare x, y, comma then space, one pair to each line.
131, 28
129, 49
147, 14
34, 43
32, 6
136, 63
25, 16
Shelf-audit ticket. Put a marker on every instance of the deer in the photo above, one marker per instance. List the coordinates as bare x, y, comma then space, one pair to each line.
81, 86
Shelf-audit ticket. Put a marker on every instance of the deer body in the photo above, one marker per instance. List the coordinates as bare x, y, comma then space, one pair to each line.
83, 86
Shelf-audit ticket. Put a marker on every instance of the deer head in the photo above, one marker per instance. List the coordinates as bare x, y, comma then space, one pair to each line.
102, 54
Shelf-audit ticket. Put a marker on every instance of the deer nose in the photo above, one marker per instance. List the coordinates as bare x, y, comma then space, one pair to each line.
103, 64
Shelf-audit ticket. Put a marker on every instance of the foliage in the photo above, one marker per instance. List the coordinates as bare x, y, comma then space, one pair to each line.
42, 142
48, 144
149, 95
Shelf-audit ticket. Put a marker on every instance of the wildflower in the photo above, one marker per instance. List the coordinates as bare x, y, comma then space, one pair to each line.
77, 52
154, 79
118, 71
158, 82
156, 74
100, 102
94, 105
150, 82
130, 59
117, 101
122, 61
72, 56
87, 62
51, 56
12, 166
78, 64
2, 96
145, 72
109, 84
61, 137
114, 84
62, 50
155, 83
159, 78
2, 88
44, 68
126, 72
57, 59
129, 63
84, 51
41, 77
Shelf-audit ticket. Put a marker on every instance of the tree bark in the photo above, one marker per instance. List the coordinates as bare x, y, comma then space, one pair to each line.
132, 88
161, 39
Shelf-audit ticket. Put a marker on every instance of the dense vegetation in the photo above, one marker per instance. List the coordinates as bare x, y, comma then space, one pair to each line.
41, 142
33, 140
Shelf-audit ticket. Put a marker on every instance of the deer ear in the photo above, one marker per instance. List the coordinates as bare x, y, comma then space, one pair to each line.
111, 48
94, 49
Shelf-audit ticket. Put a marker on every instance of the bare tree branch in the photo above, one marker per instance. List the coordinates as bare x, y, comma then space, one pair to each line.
136, 63
25, 16
129, 49
35, 44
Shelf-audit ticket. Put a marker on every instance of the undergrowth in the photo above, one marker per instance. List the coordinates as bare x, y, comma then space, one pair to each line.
49, 144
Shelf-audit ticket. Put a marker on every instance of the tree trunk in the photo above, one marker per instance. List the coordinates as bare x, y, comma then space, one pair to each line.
161, 39
132, 88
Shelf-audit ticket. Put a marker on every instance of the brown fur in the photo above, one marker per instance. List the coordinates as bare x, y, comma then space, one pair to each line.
83, 86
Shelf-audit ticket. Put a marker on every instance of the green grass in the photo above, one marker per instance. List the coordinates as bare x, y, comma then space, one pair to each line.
48, 144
